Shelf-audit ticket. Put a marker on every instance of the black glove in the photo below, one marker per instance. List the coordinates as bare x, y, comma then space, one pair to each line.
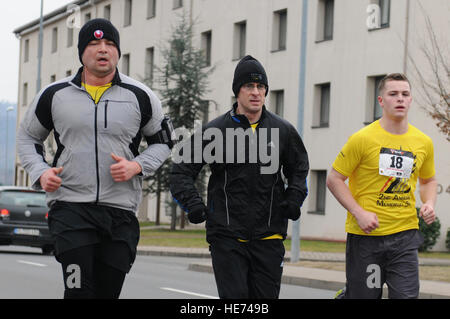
197, 214
290, 210
290, 205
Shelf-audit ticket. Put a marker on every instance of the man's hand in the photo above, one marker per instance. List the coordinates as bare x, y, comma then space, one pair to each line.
124, 169
367, 221
50, 181
427, 213
428, 194
290, 210
197, 214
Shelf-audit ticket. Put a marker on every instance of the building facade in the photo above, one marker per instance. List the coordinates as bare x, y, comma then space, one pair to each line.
350, 45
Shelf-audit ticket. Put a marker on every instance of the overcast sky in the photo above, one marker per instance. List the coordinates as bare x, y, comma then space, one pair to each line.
14, 14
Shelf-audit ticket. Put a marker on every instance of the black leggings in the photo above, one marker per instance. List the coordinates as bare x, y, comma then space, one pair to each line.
86, 277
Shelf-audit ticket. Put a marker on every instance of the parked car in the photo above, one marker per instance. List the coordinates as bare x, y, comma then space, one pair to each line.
23, 218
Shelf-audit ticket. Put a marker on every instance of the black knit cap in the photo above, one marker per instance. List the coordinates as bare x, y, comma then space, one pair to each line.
249, 70
97, 29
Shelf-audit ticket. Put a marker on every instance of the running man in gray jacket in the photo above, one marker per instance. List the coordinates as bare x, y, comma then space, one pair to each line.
99, 117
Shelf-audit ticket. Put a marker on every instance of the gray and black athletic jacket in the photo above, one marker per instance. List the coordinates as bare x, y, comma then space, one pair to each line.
87, 133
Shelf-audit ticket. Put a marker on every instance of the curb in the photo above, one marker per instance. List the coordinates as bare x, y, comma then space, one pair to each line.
301, 276
173, 252
326, 284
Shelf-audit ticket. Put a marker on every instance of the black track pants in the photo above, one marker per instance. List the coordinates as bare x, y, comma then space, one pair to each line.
87, 277
247, 269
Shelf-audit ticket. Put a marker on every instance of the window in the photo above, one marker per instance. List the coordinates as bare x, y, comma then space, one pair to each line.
177, 4
126, 64
68, 72
54, 40
377, 110
379, 14
151, 9
373, 108
69, 37
206, 46
26, 50
279, 30
127, 13
107, 12
385, 12
324, 105
277, 102
25, 94
149, 64
318, 186
240, 30
205, 111
321, 114
325, 20
52, 78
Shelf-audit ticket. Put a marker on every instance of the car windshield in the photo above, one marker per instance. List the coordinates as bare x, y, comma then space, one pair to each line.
20, 198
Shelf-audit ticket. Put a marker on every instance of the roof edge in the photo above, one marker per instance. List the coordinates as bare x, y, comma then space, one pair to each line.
34, 23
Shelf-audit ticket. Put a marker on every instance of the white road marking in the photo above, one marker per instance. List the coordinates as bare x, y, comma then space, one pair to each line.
31, 263
190, 293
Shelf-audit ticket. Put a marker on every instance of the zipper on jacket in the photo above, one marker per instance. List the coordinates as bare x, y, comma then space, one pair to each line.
96, 148
271, 200
226, 198
97, 197
106, 113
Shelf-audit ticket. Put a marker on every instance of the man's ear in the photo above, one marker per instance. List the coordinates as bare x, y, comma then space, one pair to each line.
380, 100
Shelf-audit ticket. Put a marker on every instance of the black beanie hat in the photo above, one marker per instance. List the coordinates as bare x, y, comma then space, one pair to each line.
249, 70
97, 29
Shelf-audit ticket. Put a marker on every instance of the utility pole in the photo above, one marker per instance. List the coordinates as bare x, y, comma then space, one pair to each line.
295, 242
8, 109
41, 31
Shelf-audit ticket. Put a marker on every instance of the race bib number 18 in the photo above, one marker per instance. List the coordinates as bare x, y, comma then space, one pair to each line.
395, 163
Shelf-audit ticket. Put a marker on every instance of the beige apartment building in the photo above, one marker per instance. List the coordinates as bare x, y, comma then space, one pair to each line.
335, 52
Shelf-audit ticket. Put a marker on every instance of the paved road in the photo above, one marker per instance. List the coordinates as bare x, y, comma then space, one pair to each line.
26, 274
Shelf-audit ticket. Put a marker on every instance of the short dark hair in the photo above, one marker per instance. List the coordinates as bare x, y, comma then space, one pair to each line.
392, 77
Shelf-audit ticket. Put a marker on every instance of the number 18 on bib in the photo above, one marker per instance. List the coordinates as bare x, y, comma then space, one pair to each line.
395, 163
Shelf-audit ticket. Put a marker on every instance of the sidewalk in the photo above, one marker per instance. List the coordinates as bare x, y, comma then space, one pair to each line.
303, 276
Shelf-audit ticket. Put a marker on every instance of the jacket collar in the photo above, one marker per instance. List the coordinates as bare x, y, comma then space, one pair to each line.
239, 118
78, 78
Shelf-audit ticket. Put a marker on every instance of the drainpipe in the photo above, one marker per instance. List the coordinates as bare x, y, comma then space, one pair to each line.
405, 52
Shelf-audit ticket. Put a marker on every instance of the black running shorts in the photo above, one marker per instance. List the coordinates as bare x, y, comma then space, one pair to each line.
372, 261
75, 225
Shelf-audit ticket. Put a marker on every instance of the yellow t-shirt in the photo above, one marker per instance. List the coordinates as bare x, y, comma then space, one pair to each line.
96, 92
383, 169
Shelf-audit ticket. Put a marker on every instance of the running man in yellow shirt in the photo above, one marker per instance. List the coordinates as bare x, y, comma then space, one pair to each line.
383, 162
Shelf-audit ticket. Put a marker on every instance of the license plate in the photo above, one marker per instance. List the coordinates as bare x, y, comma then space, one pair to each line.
29, 232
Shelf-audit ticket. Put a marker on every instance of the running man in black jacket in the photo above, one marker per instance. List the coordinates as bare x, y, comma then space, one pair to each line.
258, 181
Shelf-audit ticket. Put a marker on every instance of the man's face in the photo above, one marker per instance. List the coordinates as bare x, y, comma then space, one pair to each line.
101, 57
251, 97
395, 99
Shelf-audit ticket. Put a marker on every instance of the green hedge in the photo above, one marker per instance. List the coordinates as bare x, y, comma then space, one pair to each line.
430, 232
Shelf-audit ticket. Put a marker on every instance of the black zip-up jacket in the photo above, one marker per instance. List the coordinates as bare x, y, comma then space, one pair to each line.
242, 202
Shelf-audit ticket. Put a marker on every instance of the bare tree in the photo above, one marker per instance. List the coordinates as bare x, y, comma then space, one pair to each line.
434, 79
183, 84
